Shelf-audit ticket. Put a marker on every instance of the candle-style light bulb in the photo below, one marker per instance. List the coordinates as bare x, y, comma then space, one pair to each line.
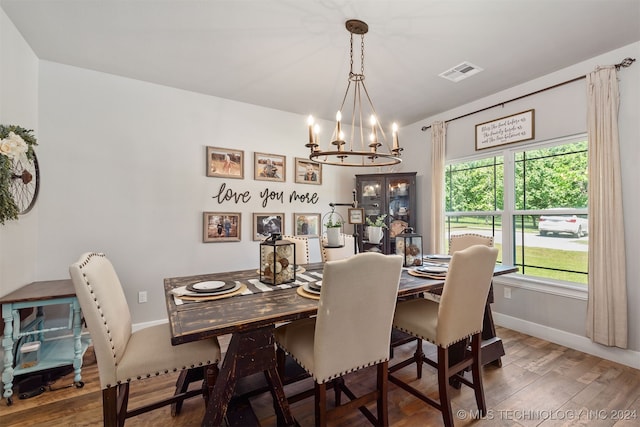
316, 131
394, 128
310, 123
374, 134
338, 129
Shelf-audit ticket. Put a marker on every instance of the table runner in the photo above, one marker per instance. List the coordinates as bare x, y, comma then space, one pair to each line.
254, 286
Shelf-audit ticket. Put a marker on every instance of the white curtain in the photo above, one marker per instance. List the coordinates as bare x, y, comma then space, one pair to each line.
436, 232
607, 304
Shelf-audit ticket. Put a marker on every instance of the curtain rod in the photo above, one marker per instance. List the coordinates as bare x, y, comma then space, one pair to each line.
624, 64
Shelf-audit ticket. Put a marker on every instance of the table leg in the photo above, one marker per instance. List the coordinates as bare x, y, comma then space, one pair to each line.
77, 343
248, 353
7, 345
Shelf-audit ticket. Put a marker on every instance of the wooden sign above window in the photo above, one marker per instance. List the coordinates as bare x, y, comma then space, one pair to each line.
506, 130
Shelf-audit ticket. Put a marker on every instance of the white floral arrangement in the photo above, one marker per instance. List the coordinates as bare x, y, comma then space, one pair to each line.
16, 145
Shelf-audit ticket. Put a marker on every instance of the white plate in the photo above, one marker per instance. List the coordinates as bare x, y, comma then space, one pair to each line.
432, 269
208, 286
308, 289
437, 256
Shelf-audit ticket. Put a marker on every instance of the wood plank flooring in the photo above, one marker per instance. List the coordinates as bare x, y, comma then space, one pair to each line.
539, 384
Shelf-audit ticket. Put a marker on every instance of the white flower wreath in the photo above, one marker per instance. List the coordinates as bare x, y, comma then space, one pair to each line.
16, 145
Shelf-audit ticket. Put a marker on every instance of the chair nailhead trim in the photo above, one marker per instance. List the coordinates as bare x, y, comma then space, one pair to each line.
335, 375
433, 341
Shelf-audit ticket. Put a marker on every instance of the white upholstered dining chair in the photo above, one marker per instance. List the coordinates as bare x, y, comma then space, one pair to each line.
124, 356
347, 335
302, 248
458, 316
332, 254
458, 242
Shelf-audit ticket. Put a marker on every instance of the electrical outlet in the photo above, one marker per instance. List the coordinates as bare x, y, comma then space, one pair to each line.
142, 297
507, 292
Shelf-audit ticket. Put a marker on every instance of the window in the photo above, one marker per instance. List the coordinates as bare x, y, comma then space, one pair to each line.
533, 200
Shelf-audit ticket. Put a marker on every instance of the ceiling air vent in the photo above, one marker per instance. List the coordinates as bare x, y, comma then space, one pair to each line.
460, 72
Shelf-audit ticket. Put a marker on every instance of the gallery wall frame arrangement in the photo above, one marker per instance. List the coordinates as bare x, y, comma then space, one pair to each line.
218, 227
264, 224
269, 167
225, 163
307, 172
306, 224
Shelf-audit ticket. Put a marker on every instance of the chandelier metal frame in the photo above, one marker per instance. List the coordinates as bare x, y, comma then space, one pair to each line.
373, 153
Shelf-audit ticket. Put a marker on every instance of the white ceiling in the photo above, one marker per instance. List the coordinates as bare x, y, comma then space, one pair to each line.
293, 55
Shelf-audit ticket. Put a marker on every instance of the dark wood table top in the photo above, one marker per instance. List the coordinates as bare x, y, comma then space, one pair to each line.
201, 320
40, 291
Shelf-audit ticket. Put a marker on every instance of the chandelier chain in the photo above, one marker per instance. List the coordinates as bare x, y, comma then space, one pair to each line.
362, 55
351, 56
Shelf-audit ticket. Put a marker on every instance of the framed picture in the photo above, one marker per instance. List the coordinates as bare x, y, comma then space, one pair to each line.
506, 130
266, 223
306, 224
308, 172
225, 163
221, 227
356, 216
269, 167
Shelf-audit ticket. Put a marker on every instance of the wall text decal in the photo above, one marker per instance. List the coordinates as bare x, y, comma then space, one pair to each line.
229, 195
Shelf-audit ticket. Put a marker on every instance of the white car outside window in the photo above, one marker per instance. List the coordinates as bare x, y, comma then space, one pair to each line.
571, 224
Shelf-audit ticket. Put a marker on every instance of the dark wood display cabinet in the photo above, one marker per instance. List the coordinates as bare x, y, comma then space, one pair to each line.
393, 194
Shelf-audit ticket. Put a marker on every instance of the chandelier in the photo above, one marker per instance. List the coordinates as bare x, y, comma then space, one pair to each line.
367, 144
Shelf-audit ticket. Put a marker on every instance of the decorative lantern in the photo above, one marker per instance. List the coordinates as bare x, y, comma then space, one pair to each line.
277, 260
409, 245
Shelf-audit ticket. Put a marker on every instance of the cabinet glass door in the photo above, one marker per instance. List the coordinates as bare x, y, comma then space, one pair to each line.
372, 201
399, 207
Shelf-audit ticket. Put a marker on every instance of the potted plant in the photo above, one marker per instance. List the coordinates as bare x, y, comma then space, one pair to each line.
334, 227
375, 227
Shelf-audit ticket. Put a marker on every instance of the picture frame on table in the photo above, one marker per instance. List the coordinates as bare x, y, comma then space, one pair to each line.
306, 224
218, 227
225, 163
269, 167
307, 172
264, 224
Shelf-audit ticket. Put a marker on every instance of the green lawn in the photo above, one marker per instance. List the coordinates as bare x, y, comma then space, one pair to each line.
552, 258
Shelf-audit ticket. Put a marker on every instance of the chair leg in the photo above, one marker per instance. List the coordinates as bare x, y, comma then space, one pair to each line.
443, 386
476, 370
110, 407
338, 385
383, 388
114, 405
281, 360
419, 356
320, 404
210, 377
186, 377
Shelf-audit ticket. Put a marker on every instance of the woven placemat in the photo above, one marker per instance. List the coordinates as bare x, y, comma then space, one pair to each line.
427, 275
306, 294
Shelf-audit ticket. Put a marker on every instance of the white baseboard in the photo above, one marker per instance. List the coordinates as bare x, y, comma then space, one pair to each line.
625, 357
137, 326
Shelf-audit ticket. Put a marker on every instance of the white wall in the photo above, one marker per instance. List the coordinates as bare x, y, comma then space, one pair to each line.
558, 112
123, 166
18, 106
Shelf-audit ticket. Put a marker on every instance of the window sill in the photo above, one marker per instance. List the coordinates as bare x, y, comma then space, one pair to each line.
563, 289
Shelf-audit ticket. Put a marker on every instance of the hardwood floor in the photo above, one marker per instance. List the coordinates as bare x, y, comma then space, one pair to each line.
539, 384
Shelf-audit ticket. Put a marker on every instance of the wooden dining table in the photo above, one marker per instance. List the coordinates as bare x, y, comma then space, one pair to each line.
251, 319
